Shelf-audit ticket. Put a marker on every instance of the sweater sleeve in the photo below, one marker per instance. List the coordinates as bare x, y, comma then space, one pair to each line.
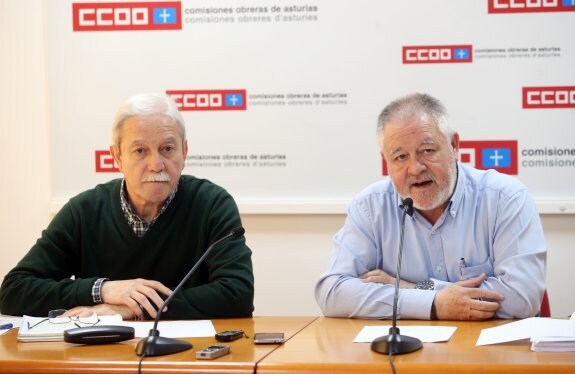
42, 280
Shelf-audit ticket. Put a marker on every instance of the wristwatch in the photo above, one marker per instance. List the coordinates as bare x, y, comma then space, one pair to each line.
425, 285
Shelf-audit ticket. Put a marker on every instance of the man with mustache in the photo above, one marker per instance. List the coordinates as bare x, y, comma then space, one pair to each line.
474, 248
121, 247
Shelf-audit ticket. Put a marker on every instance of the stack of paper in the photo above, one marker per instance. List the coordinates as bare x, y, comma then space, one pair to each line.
552, 344
39, 329
546, 334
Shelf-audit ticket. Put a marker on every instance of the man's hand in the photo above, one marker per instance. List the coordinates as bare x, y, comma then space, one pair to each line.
136, 294
101, 310
473, 282
377, 276
380, 276
464, 303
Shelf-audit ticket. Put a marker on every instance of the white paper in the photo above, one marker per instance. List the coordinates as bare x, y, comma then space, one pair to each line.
14, 320
427, 334
526, 329
174, 329
553, 344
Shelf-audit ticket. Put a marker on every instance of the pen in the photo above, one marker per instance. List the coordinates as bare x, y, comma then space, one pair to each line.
462, 265
6, 326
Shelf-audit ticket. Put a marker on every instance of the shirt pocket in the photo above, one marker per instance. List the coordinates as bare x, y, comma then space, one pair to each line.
473, 271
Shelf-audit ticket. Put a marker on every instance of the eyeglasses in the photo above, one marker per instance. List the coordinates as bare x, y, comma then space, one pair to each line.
78, 321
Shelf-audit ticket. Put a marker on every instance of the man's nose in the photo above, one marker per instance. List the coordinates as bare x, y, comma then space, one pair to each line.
155, 162
415, 166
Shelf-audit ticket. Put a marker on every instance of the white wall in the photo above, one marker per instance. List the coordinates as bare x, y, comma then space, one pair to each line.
24, 154
290, 251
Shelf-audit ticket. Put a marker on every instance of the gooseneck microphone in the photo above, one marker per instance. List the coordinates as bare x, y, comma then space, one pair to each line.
394, 343
156, 345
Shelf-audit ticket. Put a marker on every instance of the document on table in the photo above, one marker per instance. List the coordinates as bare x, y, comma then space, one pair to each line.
9, 322
175, 329
553, 344
528, 328
427, 334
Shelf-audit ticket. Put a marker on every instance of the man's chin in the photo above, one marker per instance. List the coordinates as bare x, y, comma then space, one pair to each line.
422, 200
426, 204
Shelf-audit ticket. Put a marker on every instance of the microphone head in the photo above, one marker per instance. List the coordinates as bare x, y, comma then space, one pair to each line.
237, 232
407, 206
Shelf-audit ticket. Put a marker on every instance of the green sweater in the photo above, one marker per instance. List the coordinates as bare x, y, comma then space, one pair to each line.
90, 238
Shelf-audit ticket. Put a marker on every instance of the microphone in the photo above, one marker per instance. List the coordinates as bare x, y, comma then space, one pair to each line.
156, 345
394, 343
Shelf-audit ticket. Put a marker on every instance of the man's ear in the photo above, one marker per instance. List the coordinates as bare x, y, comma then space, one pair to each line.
184, 152
185, 148
115, 151
455, 143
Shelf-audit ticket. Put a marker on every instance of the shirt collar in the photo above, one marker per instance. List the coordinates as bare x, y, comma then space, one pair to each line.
139, 225
457, 196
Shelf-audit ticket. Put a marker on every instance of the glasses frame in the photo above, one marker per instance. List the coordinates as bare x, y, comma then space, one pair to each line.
77, 321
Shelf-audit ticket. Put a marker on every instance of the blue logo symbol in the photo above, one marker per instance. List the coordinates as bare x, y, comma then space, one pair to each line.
496, 157
569, 3
461, 54
165, 16
234, 100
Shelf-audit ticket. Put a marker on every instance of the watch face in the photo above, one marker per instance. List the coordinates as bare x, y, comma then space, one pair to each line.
425, 285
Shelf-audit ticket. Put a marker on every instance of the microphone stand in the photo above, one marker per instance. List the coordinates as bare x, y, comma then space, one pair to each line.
394, 343
156, 345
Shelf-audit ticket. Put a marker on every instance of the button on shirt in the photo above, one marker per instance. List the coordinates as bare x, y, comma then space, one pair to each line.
490, 221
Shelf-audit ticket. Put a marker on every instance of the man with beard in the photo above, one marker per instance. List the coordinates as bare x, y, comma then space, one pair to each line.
123, 246
473, 249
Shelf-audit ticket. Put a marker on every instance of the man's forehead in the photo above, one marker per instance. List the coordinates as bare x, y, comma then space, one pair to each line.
411, 132
150, 134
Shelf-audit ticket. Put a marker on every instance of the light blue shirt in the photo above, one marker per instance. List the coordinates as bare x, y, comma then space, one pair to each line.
491, 221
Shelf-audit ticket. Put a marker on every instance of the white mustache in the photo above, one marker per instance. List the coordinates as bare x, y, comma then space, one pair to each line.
156, 177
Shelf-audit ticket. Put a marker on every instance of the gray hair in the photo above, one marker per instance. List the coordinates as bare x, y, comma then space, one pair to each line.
146, 105
414, 104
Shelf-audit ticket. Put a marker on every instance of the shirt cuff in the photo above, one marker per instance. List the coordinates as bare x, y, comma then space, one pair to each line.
416, 304
97, 290
439, 284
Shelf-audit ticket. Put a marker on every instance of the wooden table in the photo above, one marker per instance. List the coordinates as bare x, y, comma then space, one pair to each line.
61, 357
326, 346
314, 345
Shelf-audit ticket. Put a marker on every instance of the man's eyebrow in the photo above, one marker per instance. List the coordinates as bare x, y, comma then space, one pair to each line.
395, 150
142, 142
135, 143
170, 139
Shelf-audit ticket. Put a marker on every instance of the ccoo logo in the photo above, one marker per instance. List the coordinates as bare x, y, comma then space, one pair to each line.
105, 162
127, 16
209, 99
500, 155
530, 6
437, 54
549, 97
